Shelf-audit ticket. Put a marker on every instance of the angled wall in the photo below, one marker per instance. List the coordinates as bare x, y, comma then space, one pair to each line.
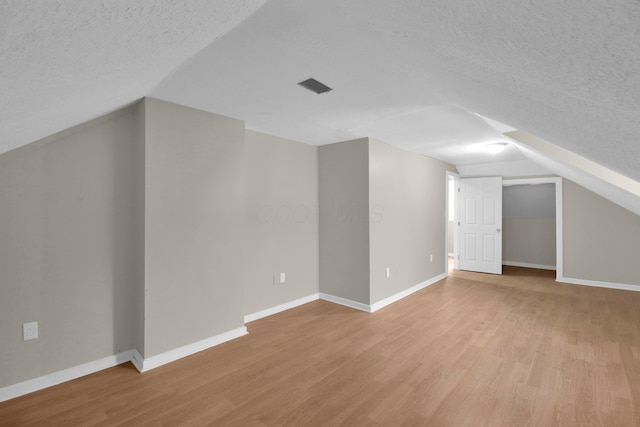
407, 193
281, 232
128, 233
344, 219
381, 207
70, 254
601, 239
194, 222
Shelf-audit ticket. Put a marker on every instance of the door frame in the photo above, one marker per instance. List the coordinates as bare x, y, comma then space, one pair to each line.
456, 260
559, 239
556, 180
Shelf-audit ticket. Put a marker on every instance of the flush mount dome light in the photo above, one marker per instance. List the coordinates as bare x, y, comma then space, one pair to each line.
496, 147
315, 86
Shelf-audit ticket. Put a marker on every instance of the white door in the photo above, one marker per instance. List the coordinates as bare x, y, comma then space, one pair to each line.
480, 224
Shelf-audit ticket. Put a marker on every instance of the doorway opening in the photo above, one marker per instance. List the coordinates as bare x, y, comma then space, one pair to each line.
533, 216
452, 218
451, 231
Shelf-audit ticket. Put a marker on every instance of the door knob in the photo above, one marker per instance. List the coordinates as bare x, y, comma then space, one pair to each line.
498, 230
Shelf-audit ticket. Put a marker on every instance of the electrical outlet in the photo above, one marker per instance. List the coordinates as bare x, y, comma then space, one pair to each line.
387, 272
30, 331
431, 258
283, 277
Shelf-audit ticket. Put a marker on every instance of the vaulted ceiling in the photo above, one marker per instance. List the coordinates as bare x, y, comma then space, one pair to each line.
63, 62
439, 77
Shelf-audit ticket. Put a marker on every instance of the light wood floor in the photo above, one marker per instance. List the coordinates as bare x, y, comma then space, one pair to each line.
472, 350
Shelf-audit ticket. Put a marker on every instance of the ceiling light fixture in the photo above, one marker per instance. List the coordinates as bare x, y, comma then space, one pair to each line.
315, 86
496, 147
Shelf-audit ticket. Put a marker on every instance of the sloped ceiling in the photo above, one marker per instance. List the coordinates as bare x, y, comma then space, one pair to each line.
68, 61
420, 75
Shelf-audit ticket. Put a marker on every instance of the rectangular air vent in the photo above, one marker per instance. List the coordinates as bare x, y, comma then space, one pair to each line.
315, 86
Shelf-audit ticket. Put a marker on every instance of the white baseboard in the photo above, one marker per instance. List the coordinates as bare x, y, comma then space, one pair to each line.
385, 302
346, 302
393, 298
133, 356
62, 376
528, 265
152, 362
282, 307
137, 360
610, 285
144, 364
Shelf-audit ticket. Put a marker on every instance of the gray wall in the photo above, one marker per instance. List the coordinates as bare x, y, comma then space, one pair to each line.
529, 241
282, 220
129, 232
601, 239
380, 207
344, 219
143, 229
407, 196
529, 224
194, 225
68, 252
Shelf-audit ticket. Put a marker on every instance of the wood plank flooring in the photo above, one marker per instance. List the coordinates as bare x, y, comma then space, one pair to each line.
471, 350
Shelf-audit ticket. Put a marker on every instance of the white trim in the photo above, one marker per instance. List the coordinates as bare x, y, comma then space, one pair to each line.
559, 231
345, 302
55, 378
137, 359
403, 294
456, 243
145, 364
133, 356
530, 181
282, 307
513, 168
385, 302
189, 349
595, 283
609, 184
528, 265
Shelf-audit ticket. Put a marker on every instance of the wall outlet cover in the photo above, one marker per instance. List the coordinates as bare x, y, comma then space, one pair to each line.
30, 331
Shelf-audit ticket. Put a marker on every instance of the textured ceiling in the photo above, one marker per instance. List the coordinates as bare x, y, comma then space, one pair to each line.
411, 73
64, 62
